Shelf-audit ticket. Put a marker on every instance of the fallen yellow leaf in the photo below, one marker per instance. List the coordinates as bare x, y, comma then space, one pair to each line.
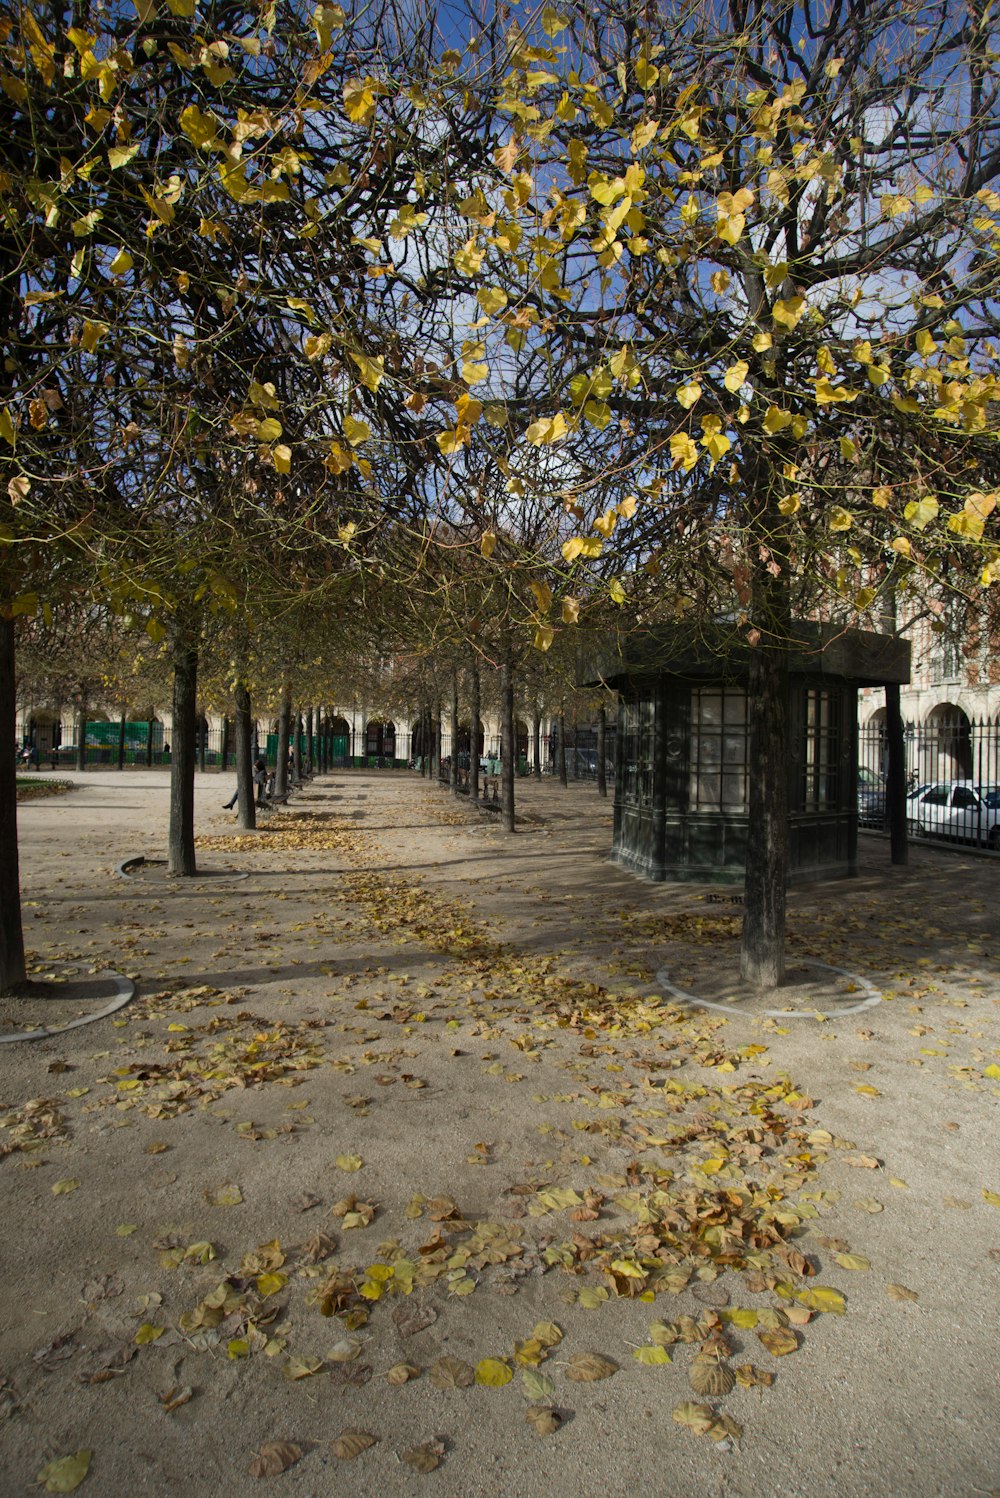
492, 1373
65, 1473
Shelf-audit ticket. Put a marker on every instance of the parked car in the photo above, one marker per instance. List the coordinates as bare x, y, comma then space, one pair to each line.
871, 798
958, 809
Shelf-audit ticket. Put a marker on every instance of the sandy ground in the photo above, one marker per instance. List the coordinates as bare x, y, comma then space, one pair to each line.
405, 1134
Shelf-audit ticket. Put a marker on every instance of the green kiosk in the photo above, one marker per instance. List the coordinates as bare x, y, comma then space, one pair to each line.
681, 803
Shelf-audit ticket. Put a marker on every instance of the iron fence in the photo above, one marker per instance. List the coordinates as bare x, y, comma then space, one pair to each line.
952, 777
581, 750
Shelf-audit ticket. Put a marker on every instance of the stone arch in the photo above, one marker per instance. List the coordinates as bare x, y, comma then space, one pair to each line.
873, 748
340, 735
464, 745
947, 750
42, 736
422, 738
380, 739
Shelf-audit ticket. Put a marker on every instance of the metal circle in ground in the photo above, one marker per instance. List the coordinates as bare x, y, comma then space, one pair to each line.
871, 996
124, 992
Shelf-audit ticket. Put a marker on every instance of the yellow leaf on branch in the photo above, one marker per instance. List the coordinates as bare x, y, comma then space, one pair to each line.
547, 430
735, 376
788, 313
359, 100
372, 370
543, 595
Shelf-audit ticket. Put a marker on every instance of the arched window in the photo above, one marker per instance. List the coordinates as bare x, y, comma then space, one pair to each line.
380, 739
948, 745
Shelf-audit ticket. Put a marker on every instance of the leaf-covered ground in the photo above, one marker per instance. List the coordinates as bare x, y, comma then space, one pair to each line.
31, 789
403, 1162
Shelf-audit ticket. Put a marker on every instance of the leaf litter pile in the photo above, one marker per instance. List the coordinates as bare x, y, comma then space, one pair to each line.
668, 1215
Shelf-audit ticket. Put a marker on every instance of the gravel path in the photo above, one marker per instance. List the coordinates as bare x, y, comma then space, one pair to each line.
404, 1135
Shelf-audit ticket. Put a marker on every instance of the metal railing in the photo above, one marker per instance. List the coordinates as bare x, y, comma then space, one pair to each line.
952, 777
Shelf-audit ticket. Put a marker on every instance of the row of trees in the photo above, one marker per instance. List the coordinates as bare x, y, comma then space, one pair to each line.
615, 313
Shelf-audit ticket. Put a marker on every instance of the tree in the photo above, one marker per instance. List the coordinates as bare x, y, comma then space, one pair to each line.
762, 249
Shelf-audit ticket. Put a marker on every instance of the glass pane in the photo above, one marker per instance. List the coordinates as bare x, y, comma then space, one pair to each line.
734, 792
709, 707
734, 749
709, 791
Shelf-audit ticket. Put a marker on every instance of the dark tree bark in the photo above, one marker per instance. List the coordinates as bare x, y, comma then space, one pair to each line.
180, 846
150, 724
762, 954
225, 744
284, 729
474, 737
602, 743
437, 744
563, 776
296, 731
309, 741
895, 786
13, 973
536, 743
81, 736
121, 740
453, 768
508, 745
243, 733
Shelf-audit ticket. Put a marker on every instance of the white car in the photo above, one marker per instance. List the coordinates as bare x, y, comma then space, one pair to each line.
956, 808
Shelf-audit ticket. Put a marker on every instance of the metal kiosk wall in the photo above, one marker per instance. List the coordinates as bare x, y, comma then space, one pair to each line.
681, 792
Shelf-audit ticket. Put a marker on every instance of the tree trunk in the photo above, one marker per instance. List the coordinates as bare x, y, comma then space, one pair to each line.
474, 738
13, 972
508, 745
121, 741
296, 733
602, 741
437, 744
284, 728
224, 756
81, 736
895, 784
762, 954
309, 742
453, 768
536, 743
150, 722
243, 732
563, 777
180, 846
